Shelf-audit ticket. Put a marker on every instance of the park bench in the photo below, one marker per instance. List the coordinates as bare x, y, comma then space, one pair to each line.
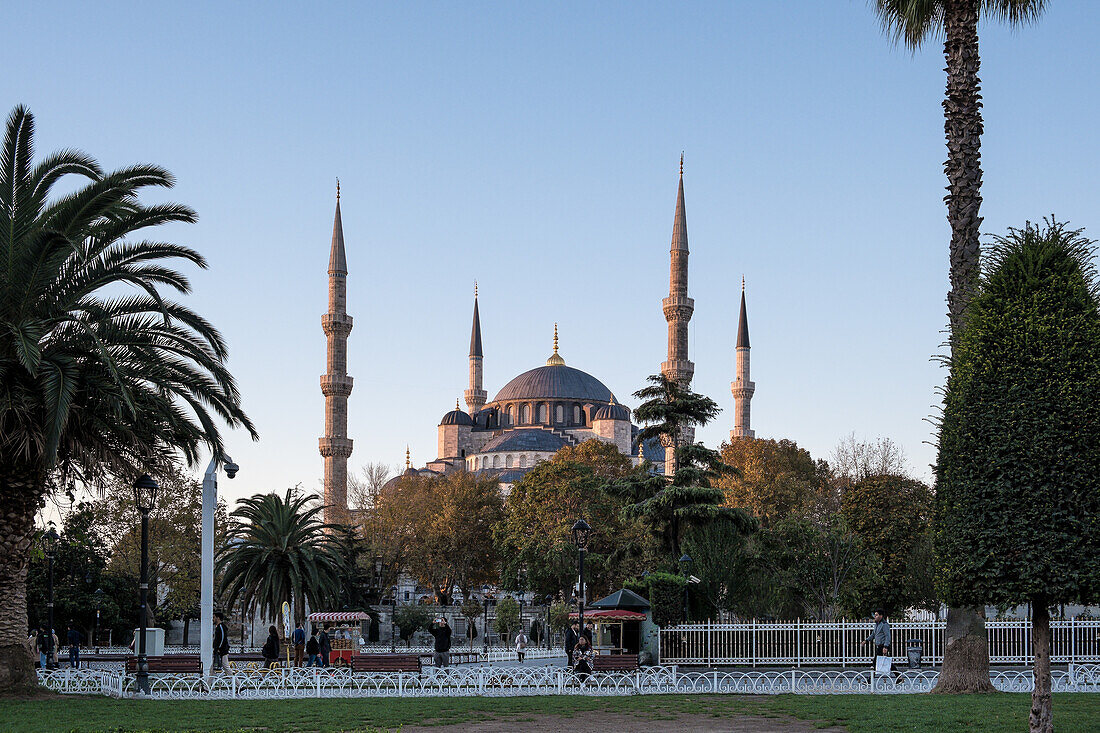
175, 663
615, 663
386, 663
455, 658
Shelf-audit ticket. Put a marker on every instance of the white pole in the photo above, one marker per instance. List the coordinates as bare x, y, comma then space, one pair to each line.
206, 609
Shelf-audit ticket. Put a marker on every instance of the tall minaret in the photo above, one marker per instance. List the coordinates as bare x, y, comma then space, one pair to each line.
743, 386
475, 395
335, 383
678, 308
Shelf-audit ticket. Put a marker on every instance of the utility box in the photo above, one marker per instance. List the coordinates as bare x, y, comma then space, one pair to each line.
154, 642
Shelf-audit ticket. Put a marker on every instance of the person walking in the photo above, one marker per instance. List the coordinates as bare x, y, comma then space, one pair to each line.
571, 636
313, 650
74, 647
270, 649
298, 638
325, 645
42, 644
880, 636
521, 644
441, 630
582, 658
221, 643
55, 644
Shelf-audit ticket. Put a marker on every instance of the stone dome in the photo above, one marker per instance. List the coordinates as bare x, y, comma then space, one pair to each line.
457, 417
612, 411
555, 382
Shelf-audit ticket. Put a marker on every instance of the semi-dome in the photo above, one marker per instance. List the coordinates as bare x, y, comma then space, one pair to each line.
524, 440
456, 417
555, 382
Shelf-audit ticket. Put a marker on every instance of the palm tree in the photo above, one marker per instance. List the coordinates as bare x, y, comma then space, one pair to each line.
966, 655
100, 374
279, 550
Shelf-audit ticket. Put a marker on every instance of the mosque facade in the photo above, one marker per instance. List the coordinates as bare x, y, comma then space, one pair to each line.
538, 412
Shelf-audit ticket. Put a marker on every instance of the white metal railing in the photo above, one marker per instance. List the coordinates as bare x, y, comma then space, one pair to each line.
488, 681
814, 643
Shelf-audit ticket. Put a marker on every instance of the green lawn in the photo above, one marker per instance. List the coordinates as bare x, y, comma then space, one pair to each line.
860, 713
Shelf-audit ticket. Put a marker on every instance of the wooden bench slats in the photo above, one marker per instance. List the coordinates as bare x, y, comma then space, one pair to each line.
615, 663
386, 663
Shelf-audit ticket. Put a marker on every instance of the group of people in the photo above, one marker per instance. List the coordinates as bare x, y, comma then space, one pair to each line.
311, 651
45, 644
579, 654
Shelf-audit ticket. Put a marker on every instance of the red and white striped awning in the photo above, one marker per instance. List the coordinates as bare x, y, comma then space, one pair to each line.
338, 617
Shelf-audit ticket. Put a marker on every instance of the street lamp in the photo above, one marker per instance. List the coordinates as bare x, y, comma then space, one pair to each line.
393, 621
549, 600
685, 565
50, 541
582, 533
145, 496
206, 591
485, 638
98, 605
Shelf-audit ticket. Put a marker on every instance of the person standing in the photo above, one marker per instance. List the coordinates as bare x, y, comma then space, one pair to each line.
325, 645
521, 644
55, 644
42, 644
270, 649
221, 643
441, 630
298, 638
74, 647
880, 636
571, 636
313, 650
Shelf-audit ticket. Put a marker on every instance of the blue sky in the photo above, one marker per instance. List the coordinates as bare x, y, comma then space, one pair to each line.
534, 147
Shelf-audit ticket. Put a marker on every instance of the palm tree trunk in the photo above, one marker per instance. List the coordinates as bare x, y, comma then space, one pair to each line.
966, 654
962, 107
1041, 719
21, 489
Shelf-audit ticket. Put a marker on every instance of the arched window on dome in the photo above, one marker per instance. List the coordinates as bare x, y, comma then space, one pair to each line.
496, 461
508, 461
559, 414
524, 415
523, 461
542, 413
577, 415
511, 415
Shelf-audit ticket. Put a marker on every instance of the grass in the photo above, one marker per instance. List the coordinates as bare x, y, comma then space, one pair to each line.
859, 713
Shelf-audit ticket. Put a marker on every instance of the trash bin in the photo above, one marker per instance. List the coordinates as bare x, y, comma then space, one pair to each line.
915, 651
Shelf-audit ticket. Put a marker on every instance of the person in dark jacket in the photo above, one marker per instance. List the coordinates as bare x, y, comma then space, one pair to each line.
270, 651
325, 645
42, 644
571, 636
313, 650
74, 647
221, 643
298, 638
441, 630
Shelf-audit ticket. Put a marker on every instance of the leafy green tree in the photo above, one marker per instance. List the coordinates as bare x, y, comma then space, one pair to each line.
892, 517
966, 656
1017, 505
471, 611
100, 373
559, 617
279, 550
507, 617
666, 598
411, 618
773, 479
669, 505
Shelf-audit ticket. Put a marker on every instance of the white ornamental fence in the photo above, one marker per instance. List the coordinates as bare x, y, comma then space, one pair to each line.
512, 681
812, 643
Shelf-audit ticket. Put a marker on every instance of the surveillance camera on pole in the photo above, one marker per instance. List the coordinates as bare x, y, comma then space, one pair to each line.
206, 607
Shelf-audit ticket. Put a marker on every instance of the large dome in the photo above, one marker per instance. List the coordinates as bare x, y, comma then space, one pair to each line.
555, 382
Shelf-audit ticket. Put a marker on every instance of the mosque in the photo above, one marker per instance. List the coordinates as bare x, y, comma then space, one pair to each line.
538, 412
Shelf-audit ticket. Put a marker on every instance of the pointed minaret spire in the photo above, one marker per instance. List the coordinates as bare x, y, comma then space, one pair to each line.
742, 387
678, 308
476, 395
335, 446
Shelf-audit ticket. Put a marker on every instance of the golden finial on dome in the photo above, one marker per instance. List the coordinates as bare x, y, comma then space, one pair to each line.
408, 459
456, 403
555, 358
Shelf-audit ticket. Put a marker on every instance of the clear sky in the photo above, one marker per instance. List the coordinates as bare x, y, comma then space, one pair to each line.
534, 147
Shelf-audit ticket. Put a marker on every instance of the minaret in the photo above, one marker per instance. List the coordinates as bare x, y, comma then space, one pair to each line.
743, 386
335, 383
678, 308
475, 395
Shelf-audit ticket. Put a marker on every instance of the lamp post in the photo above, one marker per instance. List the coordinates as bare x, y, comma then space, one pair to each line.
145, 496
50, 540
393, 622
549, 599
582, 533
98, 604
206, 589
685, 564
485, 639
